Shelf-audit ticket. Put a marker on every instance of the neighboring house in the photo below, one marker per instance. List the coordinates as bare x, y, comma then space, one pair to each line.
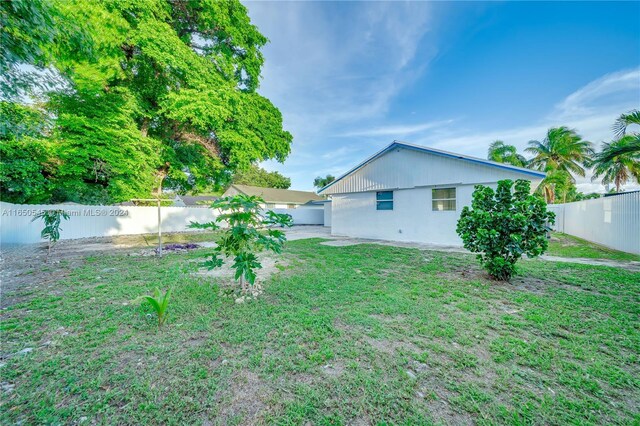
194, 201
278, 198
412, 193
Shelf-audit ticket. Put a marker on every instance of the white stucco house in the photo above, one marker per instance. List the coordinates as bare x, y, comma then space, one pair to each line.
412, 193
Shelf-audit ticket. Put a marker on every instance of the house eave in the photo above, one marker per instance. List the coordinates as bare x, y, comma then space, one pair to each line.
395, 144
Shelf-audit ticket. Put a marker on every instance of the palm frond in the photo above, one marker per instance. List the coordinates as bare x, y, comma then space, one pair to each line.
624, 121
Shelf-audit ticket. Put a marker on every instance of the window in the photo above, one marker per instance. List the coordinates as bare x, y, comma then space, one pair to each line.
384, 200
443, 199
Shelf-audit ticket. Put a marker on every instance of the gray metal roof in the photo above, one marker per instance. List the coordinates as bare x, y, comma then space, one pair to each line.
275, 195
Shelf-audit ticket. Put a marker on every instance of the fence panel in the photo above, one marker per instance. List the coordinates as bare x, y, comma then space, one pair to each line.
611, 221
304, 216
16, 226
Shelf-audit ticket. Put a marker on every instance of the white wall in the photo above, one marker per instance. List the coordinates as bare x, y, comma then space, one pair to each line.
304, 216
611, 221
16, 226
96, 221
412, 218
327, 214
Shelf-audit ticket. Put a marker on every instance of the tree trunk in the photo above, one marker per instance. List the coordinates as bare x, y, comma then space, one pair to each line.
144, 127
243, 284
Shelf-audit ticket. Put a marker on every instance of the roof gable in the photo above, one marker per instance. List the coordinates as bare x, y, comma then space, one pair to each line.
275, 195
404, 165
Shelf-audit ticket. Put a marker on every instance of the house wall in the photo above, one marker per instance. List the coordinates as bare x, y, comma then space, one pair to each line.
412, 218
327, 214
406, 168
611, 221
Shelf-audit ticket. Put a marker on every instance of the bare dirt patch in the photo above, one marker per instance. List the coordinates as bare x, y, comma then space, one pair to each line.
433, 393
225, 274
344, 243
390, 347
629, 265
335, 369
248, 394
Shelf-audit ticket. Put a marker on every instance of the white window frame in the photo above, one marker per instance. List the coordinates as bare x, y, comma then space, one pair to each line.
454, 199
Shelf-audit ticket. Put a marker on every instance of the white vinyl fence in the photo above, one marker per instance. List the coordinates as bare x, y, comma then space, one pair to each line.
611, 221
304, 216
16, 226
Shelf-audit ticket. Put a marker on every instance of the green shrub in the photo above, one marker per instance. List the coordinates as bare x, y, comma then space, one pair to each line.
502, 226
246, 232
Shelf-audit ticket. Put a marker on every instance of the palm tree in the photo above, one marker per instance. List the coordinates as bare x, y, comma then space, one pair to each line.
624, 121
556, 182
616, 163
502, 153
632, 146
562, 149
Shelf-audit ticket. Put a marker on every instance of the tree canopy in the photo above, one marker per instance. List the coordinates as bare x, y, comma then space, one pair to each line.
616, 163
503, 153
143, 92
321, 182
257, 176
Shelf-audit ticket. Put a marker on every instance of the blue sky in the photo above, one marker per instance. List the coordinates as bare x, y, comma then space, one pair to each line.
350, 77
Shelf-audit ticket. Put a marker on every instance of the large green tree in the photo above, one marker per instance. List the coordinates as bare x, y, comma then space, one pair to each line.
257, 176
25, 153
156, 91
503, 153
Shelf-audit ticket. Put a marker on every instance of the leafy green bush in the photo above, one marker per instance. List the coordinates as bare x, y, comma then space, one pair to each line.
51, 230
246, 231
502, 226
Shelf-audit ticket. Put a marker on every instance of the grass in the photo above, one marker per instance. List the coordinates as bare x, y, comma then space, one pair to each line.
564, 245
363, 334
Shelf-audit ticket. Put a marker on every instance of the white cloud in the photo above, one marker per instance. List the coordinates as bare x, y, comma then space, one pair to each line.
334, 71
327, 70
607, 91
396, 131
591, 110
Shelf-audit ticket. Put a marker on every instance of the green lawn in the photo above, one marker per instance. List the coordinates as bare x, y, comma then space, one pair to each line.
564, 245
365, 334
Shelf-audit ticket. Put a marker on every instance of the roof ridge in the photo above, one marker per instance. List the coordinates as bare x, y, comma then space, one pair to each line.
436, 152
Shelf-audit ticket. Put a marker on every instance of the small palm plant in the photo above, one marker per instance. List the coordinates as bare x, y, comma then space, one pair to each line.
159, 303
51, 230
